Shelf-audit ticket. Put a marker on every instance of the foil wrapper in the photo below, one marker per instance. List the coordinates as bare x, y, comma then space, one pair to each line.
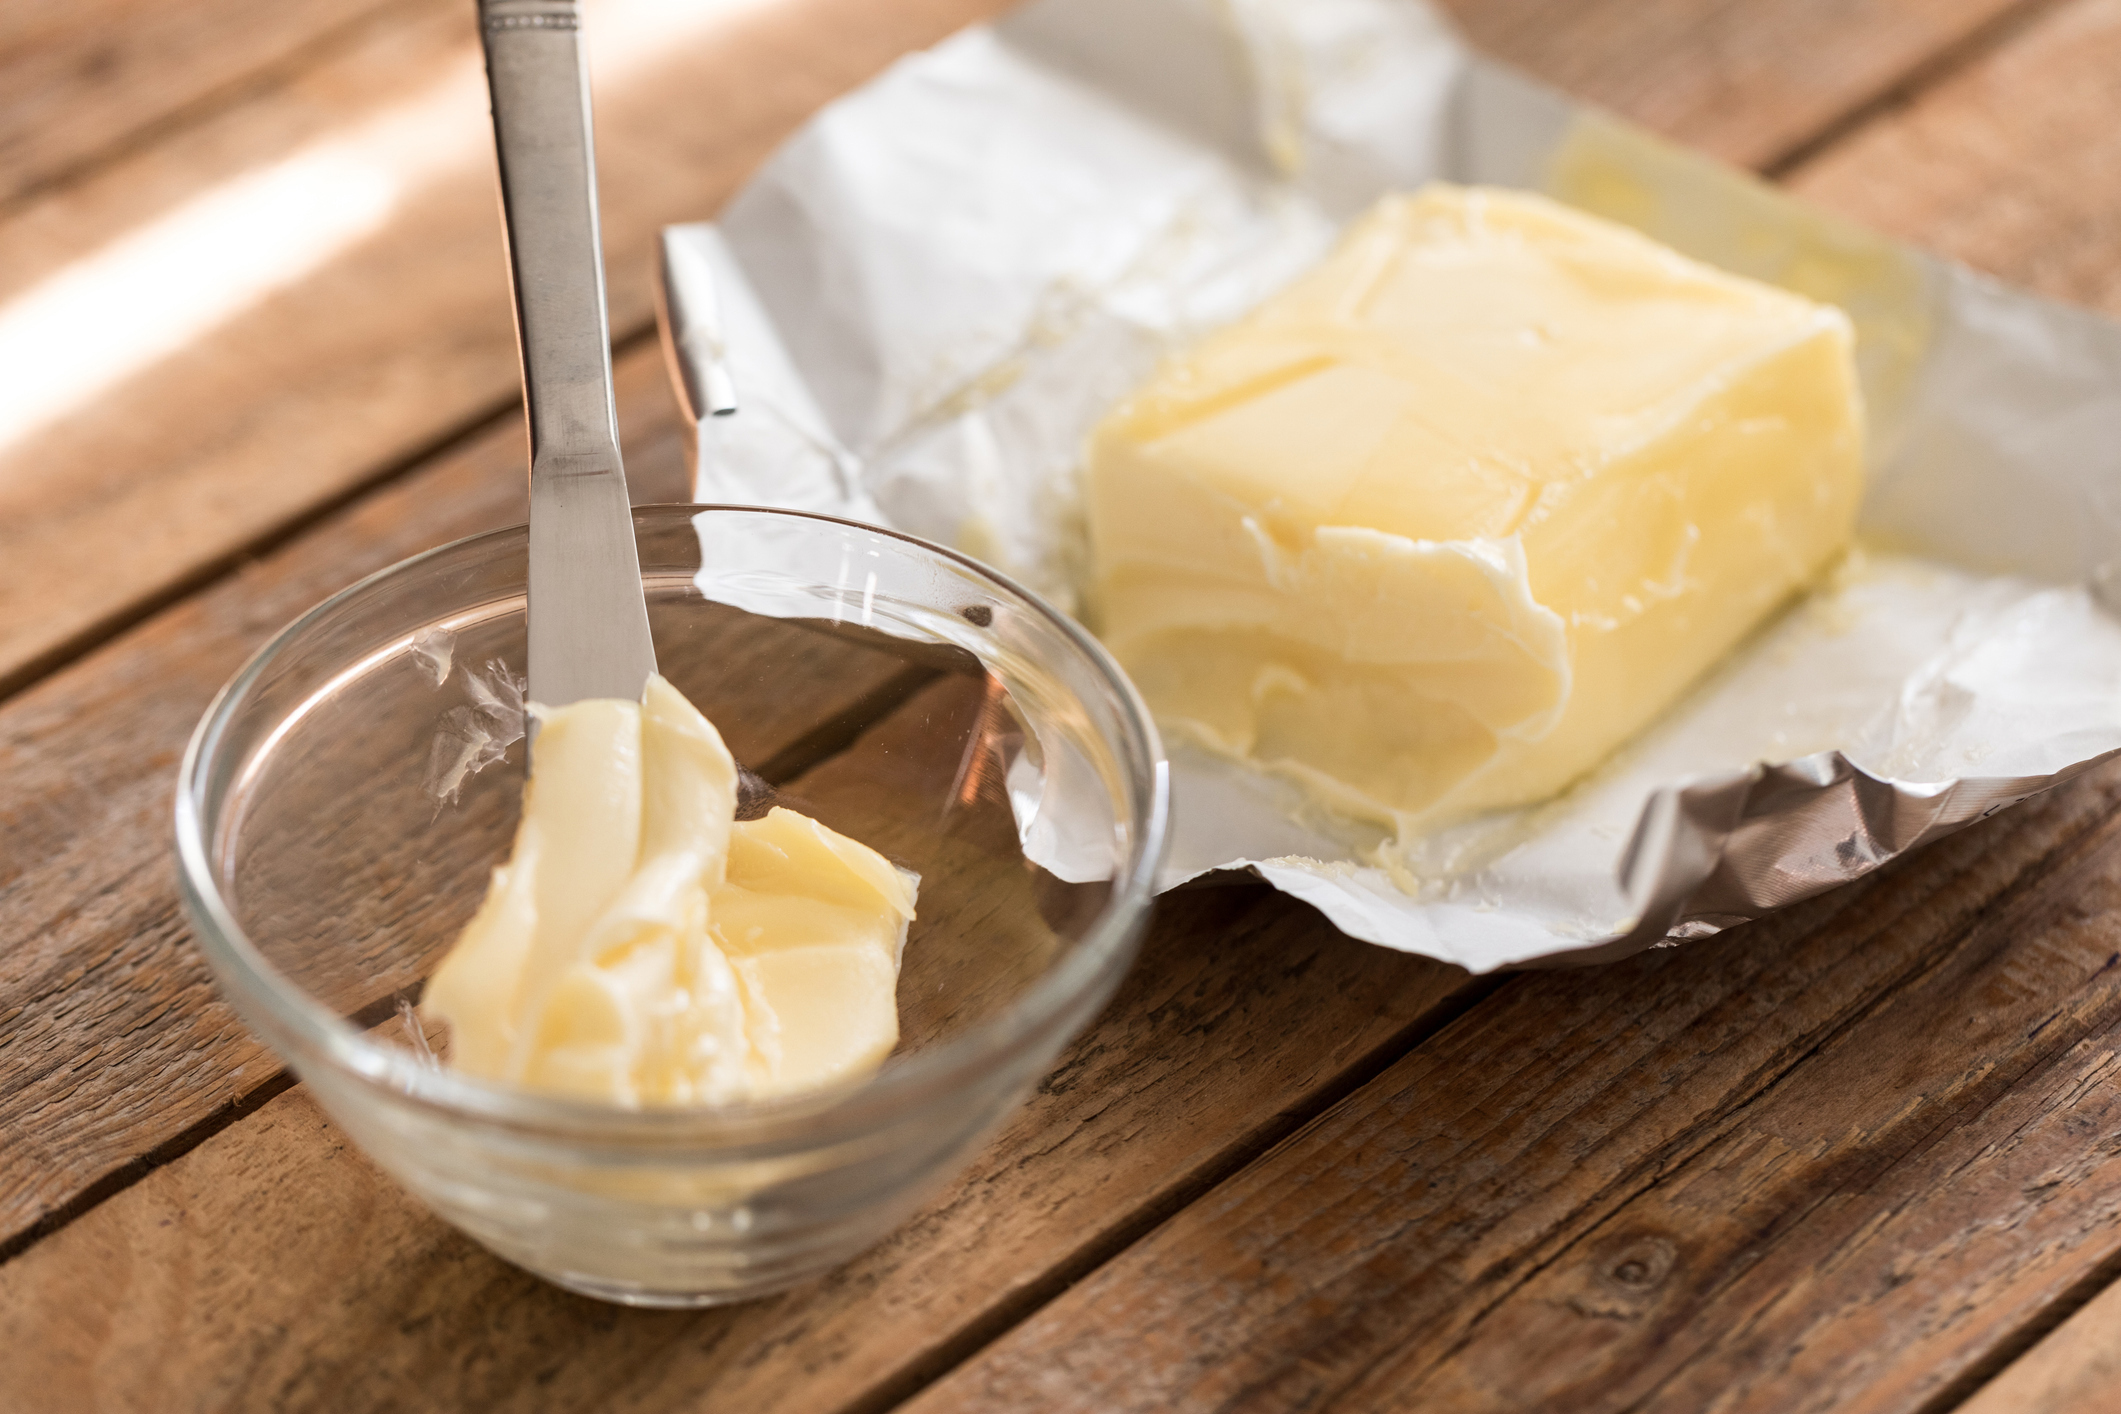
923, 302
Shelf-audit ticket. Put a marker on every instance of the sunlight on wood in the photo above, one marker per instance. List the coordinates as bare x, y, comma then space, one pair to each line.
157, 288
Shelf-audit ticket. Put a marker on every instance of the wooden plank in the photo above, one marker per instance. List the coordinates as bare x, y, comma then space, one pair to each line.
1829, 1158
112, 1042
367, 316
653, 1358
1748, 82
2074, 1370
2005, 167
81, 77
314, 379
1855, 1197
273, 1268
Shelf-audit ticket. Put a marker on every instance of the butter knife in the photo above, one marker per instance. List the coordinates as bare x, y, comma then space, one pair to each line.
588, 617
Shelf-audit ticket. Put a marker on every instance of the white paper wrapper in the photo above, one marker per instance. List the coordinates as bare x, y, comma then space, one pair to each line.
934, 290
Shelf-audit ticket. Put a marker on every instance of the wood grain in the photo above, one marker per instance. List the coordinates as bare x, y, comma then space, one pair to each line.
1824, 1161
383, 323
112, 1041
1518, 1168
1751, 83
2075, 1370
272, 1268
1861, 1227
2005, 166
332, 375
81, 77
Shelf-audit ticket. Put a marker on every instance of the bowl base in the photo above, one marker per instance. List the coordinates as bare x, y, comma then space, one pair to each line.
625, 1294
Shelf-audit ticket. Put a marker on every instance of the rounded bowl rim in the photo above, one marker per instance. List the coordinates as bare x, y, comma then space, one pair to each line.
314, 1031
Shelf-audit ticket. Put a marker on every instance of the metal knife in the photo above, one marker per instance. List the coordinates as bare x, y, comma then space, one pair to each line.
588, 616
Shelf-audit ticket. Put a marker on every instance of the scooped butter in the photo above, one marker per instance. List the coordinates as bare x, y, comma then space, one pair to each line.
643, 946
1440, 525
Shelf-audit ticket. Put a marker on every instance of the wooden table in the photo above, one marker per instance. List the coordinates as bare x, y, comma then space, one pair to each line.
1866, 1155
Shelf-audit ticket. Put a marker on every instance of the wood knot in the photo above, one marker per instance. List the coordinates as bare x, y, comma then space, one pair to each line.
1637, 1266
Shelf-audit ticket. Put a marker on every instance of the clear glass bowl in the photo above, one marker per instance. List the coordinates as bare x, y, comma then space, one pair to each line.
901, 693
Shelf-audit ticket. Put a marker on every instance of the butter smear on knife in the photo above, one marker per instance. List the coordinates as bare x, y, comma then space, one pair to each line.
642, 946
1439, 526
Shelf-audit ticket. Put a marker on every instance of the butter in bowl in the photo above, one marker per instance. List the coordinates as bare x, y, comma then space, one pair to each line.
743, 1045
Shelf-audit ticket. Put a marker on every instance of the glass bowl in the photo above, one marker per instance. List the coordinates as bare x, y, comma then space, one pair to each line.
345, 797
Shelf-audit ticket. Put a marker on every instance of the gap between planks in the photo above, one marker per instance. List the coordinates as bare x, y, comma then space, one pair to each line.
1644, 1176
1347, 1265
202, 104
111, 1184
2082, 832
2007, 1380
1799, 161
1947, 63
1876, 56
816, 746
486, 419
384, 346
1209, 1045
1650, 1171
481, 422
2074, 1369
1010, 1312
104, 969
1858, 110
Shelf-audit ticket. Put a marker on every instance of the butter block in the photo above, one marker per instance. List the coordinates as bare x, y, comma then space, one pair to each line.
642, 946
1439, 526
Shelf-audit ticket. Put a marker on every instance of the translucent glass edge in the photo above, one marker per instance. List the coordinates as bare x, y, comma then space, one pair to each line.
320, 1034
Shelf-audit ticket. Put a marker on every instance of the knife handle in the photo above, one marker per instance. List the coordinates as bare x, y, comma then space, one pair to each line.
541, 128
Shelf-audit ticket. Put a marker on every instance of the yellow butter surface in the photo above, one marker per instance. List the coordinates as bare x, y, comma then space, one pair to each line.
643, 946
1436, 528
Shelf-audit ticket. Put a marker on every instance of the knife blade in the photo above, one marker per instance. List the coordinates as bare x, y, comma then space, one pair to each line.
588, 616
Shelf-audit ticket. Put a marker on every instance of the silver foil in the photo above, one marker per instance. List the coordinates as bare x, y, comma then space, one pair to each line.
928, 296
